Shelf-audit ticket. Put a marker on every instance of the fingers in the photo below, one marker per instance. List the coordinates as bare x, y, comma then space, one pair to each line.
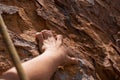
72, 60
39, 37
47, 34
39, 40
46, 40
44, 37
59, 39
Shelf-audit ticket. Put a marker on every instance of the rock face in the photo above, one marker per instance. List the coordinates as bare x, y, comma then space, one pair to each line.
90, 28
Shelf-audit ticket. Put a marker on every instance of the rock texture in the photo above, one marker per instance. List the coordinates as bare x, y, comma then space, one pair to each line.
91, 28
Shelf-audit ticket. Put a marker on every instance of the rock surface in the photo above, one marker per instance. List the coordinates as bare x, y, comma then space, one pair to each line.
90, 27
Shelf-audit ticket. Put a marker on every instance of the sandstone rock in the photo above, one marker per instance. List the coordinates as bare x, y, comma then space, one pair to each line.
90, 28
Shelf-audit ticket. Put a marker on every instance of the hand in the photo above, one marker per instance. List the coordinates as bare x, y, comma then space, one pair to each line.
54, 46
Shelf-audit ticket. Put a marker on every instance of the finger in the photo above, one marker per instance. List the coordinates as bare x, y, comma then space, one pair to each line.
52, 40
43, 48
71, 53
59, 39
39, 40
47, 34
72, 60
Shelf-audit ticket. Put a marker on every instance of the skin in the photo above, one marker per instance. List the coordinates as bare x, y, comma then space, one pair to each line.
42, 67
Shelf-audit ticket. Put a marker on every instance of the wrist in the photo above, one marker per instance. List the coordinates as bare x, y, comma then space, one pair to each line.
55, 58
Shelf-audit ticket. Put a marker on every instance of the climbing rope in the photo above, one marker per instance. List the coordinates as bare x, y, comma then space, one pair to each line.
12, 50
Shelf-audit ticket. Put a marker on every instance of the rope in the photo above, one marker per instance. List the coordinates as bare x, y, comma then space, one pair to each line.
12, 51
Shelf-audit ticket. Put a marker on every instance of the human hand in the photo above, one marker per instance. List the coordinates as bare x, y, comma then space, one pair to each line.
53, 46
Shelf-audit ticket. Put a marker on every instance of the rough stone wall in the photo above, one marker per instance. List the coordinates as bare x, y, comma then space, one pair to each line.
90, 28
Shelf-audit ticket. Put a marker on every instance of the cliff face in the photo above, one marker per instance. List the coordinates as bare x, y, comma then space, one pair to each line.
90, 28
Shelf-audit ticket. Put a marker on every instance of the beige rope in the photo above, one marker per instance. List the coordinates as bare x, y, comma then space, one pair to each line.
12, 50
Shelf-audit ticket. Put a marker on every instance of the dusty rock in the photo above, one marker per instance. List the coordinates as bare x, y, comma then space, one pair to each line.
90, 28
